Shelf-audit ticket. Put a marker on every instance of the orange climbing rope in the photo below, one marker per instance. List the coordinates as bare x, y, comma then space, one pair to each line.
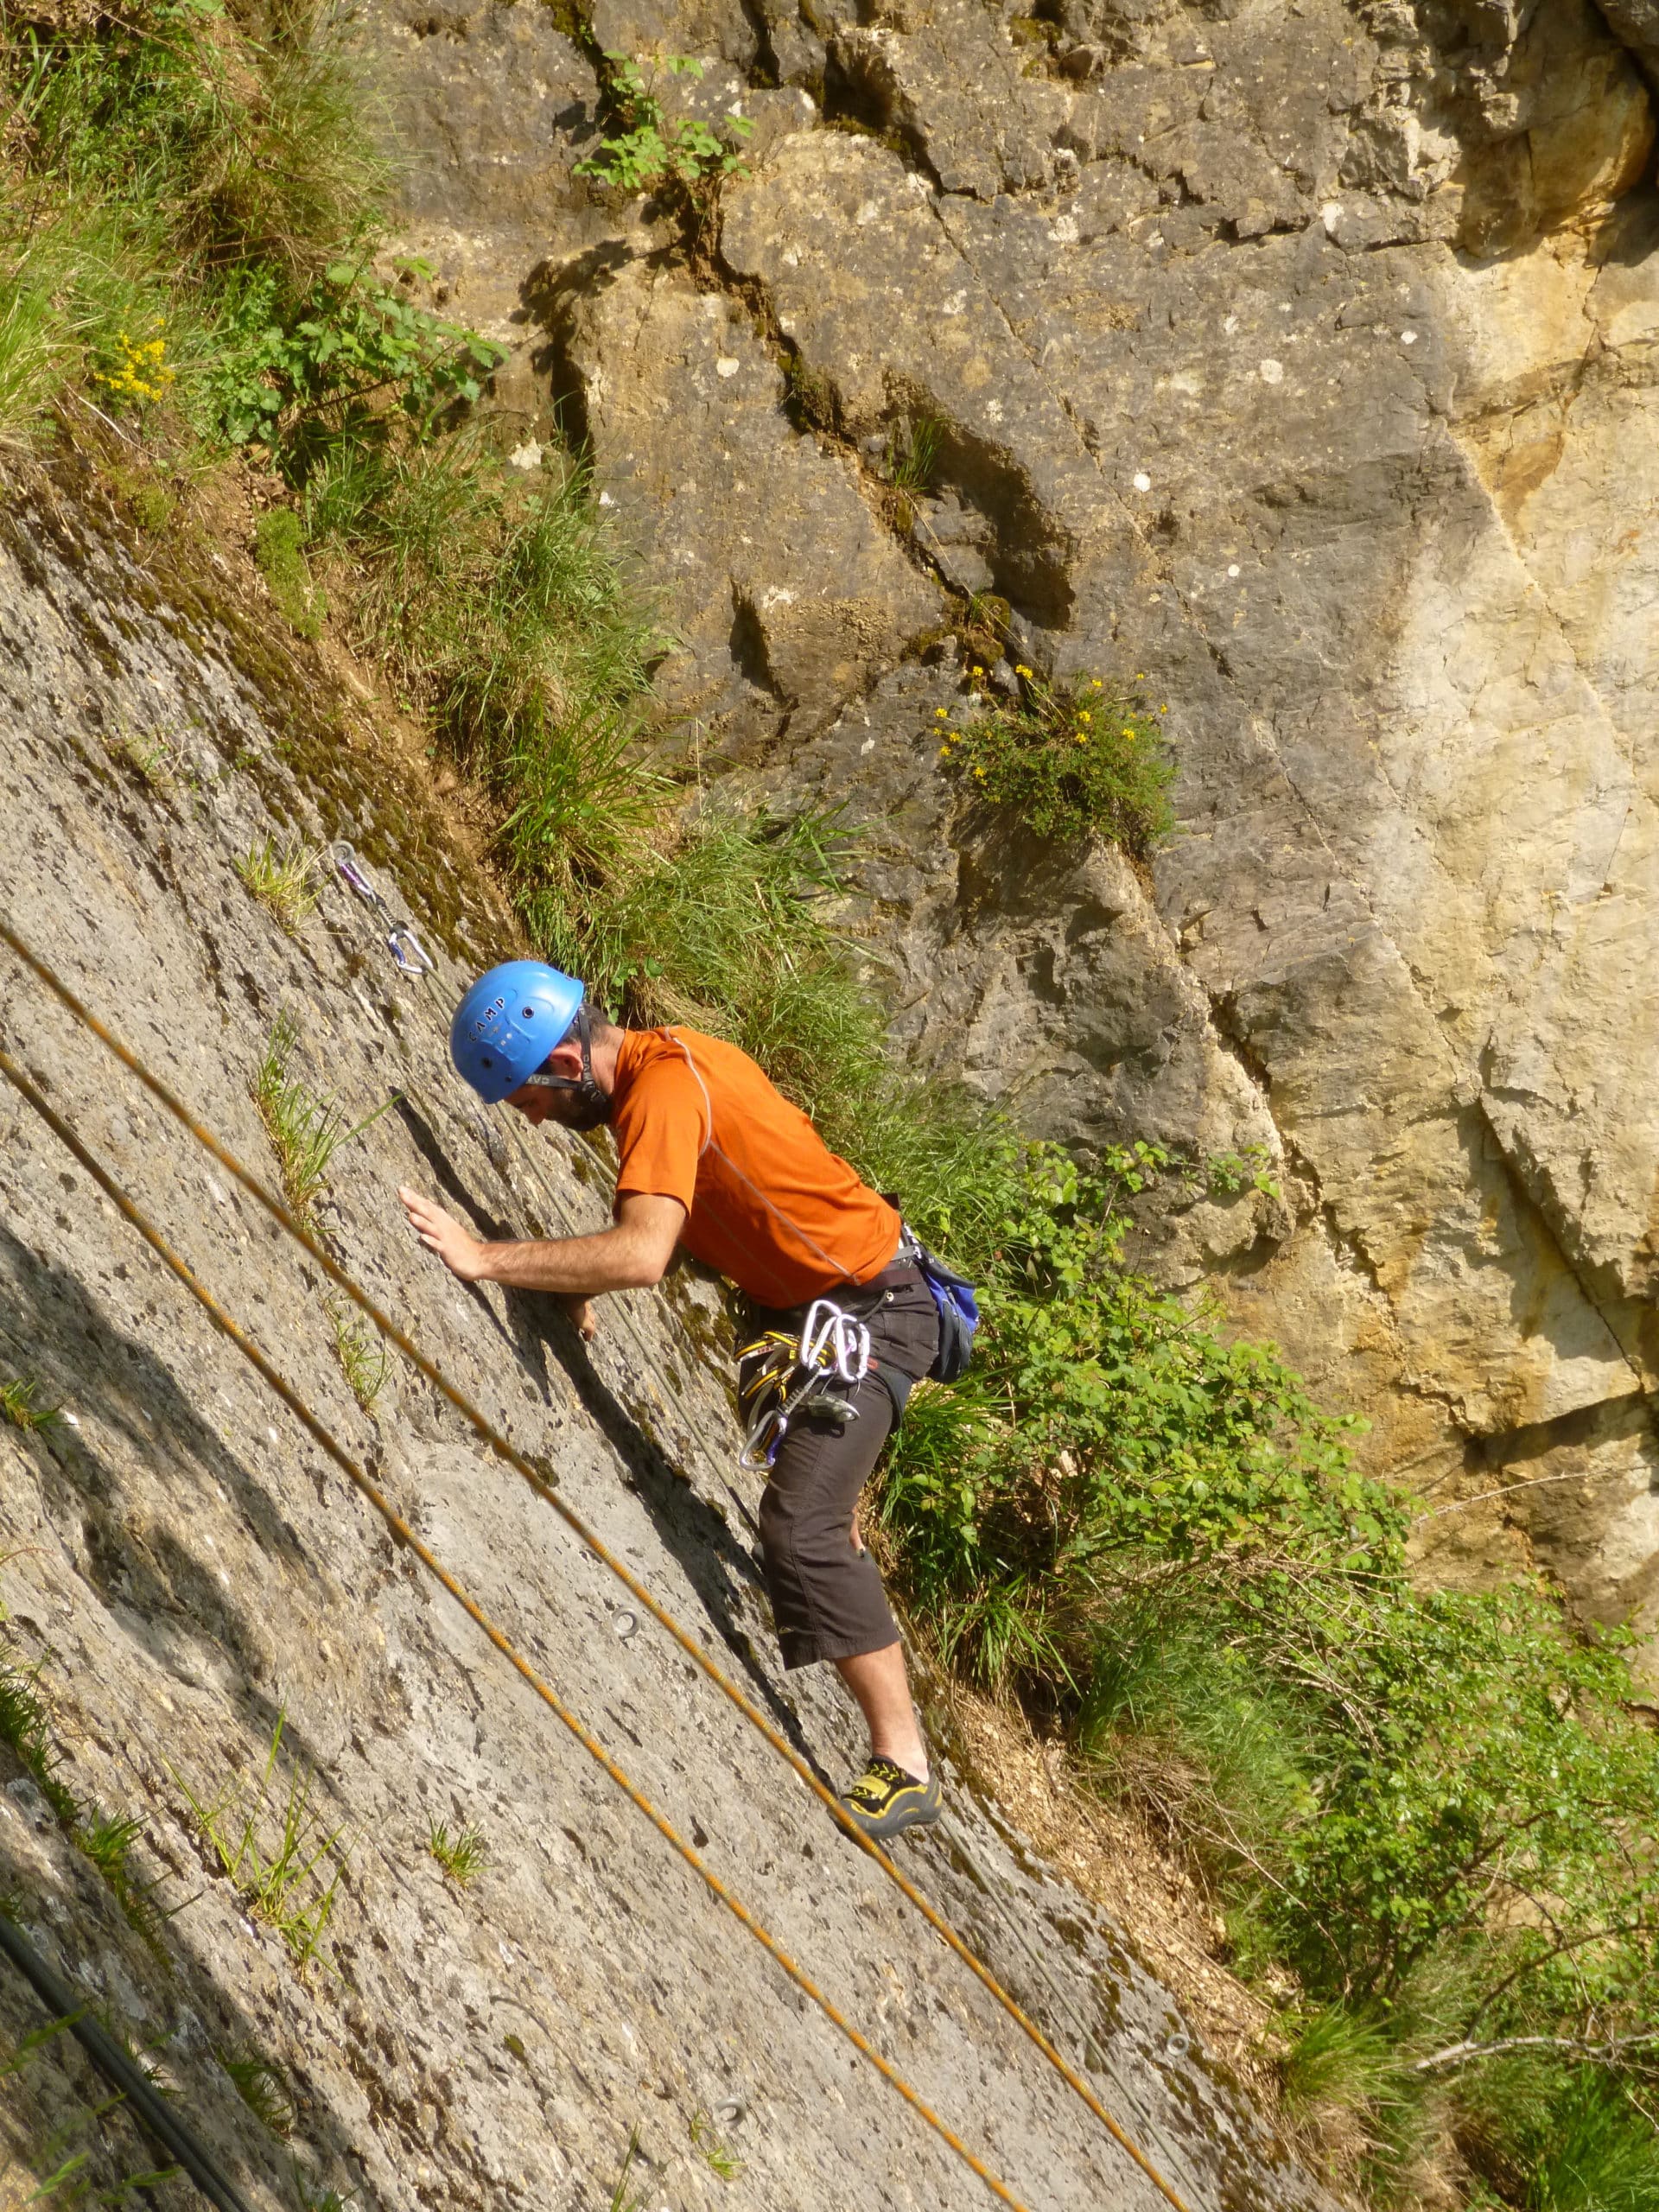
513, 1458
400, 1528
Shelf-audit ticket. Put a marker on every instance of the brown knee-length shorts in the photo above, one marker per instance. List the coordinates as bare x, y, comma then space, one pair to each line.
826, 1594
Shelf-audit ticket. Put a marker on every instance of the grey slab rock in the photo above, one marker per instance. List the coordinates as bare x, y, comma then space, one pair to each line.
192, 1571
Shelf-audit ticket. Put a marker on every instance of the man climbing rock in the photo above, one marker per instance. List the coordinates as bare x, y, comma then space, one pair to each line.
712, 1157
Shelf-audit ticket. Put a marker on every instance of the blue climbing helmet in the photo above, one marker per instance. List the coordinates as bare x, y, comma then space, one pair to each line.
507, 1024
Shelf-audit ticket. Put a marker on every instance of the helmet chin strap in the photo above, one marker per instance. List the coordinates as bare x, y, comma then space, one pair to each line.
596, 1107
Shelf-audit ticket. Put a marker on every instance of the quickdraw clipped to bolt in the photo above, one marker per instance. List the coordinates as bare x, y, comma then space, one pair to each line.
831, 1356
405, 947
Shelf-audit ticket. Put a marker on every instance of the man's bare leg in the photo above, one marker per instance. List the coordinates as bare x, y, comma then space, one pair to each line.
878, 1681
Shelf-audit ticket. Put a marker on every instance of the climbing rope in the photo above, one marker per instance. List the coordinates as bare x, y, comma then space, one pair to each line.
406, 1535
174, 2135
513, 1458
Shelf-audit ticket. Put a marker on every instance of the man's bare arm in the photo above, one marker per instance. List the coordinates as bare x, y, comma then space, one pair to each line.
630, 1256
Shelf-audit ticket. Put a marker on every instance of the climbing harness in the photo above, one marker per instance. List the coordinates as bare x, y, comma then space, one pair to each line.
815, 1374
405, 947
506, 1452
405, 1536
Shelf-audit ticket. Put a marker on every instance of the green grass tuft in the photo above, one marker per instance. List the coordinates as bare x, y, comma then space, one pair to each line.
713, 2149
362, 1355
283, 878
109, 1842
915, 446
106, 1840
461, 1856
19, 1406
498, 605
623, 2199
26, 1726
274, 1851
306, 1131
263, 2087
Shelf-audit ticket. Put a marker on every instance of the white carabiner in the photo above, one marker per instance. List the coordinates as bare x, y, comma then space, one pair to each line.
832, 1339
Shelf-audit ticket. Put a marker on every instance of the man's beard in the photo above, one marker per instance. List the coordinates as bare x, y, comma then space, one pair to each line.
579, 1109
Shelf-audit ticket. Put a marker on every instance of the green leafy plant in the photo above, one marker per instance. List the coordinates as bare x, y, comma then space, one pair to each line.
273, 1850
1064, 759
1227, 1173
297, 375
263, 2087
649, 147
19, 1405
157, 168
1436, 1807
305, 1130
283, 878
461, 1856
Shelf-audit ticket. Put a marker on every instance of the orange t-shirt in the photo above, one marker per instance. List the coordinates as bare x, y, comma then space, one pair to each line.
766, 1202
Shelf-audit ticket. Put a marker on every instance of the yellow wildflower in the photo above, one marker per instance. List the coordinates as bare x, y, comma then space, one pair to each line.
1096, 684
941, 713
980, 773
1140, 675
1081, 739
1083, 717
1163, 710
143, 371
1021, 670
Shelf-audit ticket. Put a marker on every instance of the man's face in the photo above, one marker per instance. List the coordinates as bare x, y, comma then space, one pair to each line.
537, 1104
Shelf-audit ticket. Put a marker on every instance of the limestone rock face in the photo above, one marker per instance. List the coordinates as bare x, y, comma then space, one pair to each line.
221, 1621
1294, 364
797, 594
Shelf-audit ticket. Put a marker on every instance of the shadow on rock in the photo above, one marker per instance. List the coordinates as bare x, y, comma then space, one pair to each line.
171, 1599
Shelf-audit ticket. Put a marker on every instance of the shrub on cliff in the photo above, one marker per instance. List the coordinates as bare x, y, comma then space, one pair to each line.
1064, 759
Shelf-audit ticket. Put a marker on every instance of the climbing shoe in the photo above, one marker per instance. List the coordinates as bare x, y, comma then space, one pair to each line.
885, 1801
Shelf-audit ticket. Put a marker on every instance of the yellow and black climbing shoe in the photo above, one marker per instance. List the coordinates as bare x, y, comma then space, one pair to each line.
885, 1801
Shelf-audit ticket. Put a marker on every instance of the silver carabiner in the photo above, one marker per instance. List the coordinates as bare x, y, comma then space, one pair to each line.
406, 948
344, 857
832, 1339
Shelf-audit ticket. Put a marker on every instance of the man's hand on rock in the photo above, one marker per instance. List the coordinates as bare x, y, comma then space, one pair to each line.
462, 1253
580, 1310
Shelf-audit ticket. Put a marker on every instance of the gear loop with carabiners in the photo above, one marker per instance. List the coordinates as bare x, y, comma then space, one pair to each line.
815, 1374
